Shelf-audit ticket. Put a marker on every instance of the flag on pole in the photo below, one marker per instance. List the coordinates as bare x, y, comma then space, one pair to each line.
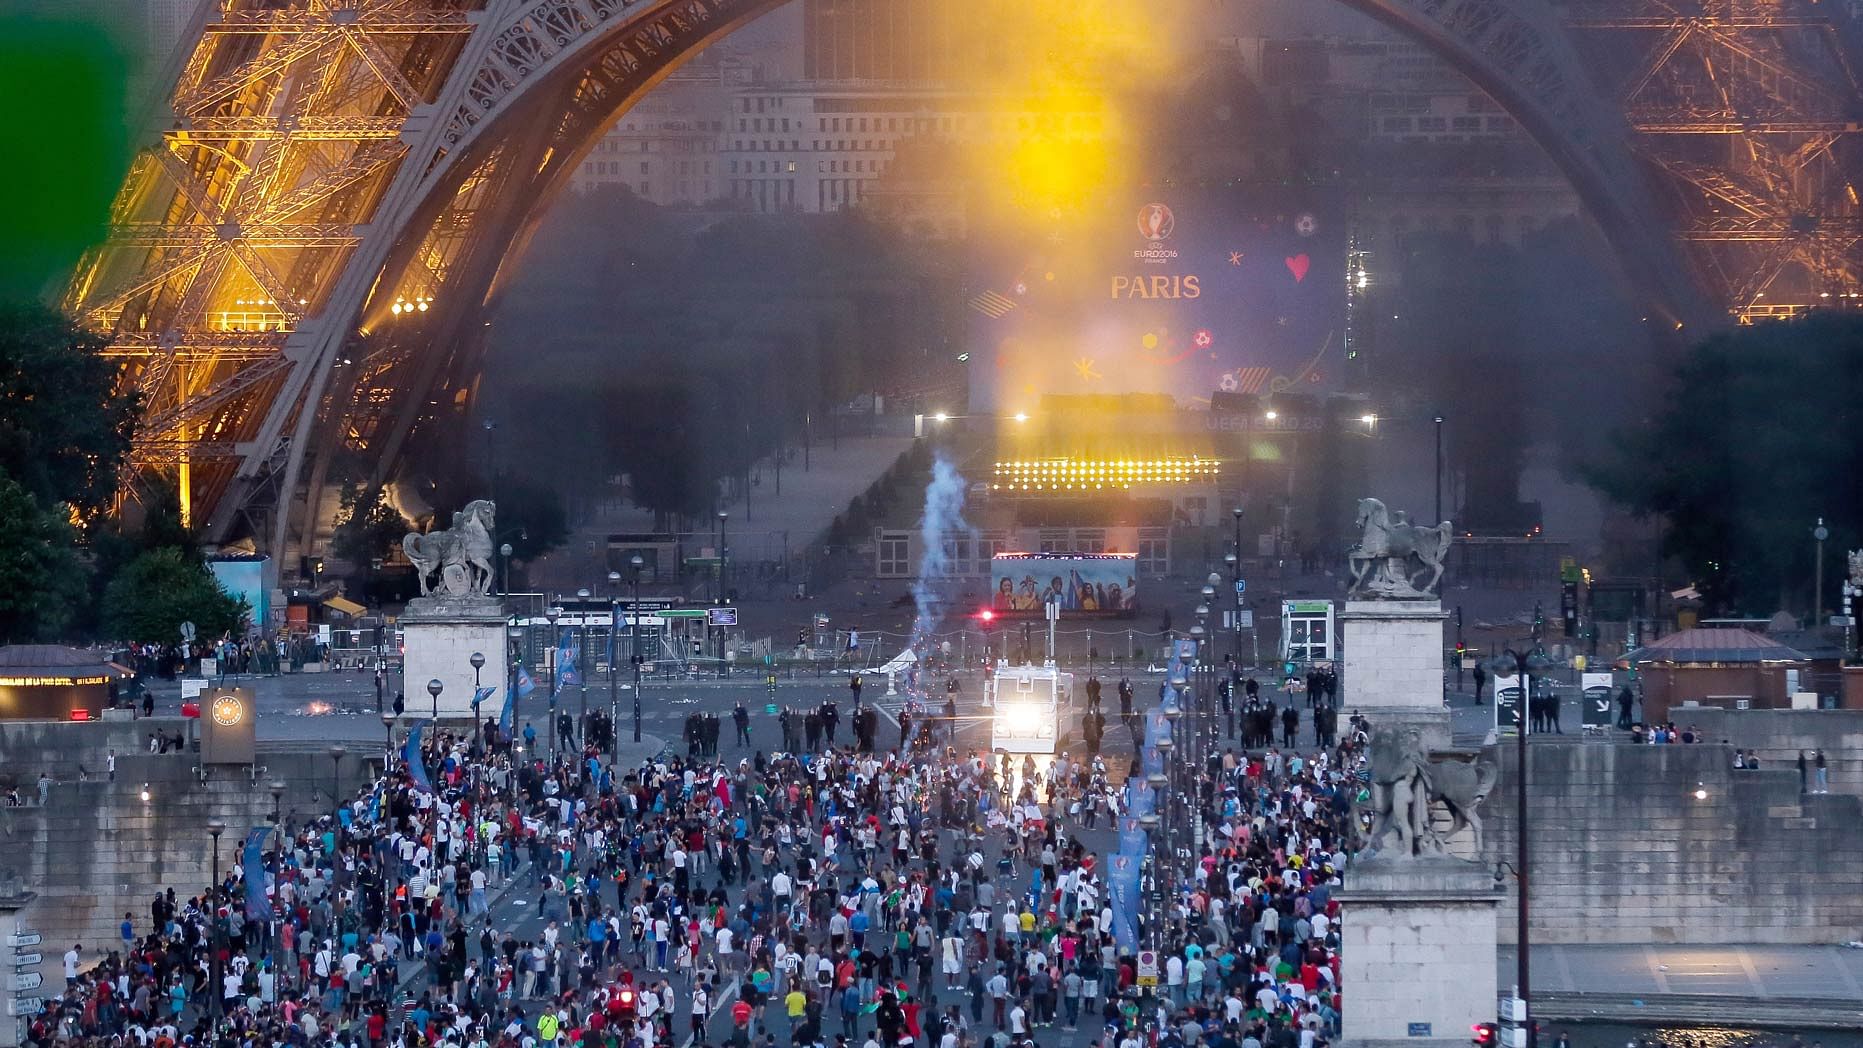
480, 695
567, 673
252, 861
525, 684
410, 755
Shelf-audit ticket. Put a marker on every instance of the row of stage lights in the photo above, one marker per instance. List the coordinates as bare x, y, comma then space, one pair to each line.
1097, 475
420, 303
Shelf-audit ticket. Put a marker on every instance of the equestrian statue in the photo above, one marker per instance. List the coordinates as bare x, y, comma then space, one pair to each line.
461, 554
1392, 554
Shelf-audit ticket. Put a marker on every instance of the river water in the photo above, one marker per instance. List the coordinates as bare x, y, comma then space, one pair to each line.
1614, 1035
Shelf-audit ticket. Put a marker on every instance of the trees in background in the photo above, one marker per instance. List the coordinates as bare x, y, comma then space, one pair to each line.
1759, 435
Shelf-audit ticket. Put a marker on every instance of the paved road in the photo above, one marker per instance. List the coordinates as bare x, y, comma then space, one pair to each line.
1832, 972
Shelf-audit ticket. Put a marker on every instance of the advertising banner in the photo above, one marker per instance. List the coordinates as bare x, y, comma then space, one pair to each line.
1084, 585
1122, 889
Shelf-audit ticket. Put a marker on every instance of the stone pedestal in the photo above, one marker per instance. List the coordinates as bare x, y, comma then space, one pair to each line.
1392, 665
441, 633
1417, 951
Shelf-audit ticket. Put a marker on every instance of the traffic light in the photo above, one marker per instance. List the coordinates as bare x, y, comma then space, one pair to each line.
986, 618
1461, 649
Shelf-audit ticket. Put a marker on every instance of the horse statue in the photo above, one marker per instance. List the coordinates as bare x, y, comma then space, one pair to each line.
1405, 783
461, 555
1389, 543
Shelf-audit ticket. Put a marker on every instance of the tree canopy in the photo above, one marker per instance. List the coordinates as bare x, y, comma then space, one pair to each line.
162, 588
64, 430
1759, 436
42, 582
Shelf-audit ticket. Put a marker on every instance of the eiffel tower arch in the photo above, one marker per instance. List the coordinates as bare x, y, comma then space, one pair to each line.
299, 263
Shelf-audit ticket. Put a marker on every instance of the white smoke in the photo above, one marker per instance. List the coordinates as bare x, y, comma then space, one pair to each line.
944, 516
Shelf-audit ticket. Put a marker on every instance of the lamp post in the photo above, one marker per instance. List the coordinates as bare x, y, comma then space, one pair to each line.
277, 787
614, 649
1166, 744
478, 663
1817, 596
504, 568
1438, 420
388, 740
434, 688
556, 672
336, 775
636, 563
215, 828
1523, 664
723, 565
582, 656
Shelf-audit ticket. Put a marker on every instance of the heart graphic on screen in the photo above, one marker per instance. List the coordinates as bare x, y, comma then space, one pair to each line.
1297, 265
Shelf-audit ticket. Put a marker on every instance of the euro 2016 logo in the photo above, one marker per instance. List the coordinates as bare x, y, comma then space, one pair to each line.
1155, 222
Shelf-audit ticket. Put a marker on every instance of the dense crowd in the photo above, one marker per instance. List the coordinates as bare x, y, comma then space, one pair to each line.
835, 896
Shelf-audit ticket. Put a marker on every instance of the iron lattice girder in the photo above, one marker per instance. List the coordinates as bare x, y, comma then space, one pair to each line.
311, 129
1670, 14
1803, 228
198, 345
293, 234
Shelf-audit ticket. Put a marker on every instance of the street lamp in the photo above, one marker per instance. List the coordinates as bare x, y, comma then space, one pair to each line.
614, 648
277, 787
504, 568
636, 563
1523, 665
215, 828
1438, 420
556, 672
722, 564
1817, 597
336, 774
388, 740
582, 656
478, 663
434, 688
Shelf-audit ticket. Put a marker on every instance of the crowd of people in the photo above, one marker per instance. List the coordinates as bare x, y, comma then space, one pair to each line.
486, 893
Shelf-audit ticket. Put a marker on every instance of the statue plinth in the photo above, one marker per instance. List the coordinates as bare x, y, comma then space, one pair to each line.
440, 633
1391, 656
1417, 950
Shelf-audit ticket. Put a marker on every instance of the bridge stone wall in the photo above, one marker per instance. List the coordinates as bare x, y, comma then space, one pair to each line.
1623, 851
96, 850
1778, 735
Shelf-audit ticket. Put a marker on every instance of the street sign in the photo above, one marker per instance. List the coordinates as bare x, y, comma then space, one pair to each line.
1245, 619
27, 980
721, 616
1241, 586
1597, 708
1420, 1030
1148, 968
770, 708
25, 1006
187, 632
26, 960
24, 939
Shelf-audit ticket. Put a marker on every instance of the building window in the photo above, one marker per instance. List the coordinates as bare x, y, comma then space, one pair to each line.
792, 167
957, 556
1055, 541
1089, 541
644, 191
1154, 556
1395, 125
643, 167
894, 560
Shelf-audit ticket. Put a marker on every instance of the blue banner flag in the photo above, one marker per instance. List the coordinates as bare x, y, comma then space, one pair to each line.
1122, 891
1132, 837
567, 674
410, 755
509, 713
483, 692
525, 684
252, 861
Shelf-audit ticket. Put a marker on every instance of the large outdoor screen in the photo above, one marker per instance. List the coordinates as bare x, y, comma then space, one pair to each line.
1083, 584
1170, 290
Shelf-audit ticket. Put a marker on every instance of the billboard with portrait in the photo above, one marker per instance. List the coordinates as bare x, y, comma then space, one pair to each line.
1085, 585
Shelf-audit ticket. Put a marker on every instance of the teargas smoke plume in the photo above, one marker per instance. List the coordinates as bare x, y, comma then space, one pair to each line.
944, 514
